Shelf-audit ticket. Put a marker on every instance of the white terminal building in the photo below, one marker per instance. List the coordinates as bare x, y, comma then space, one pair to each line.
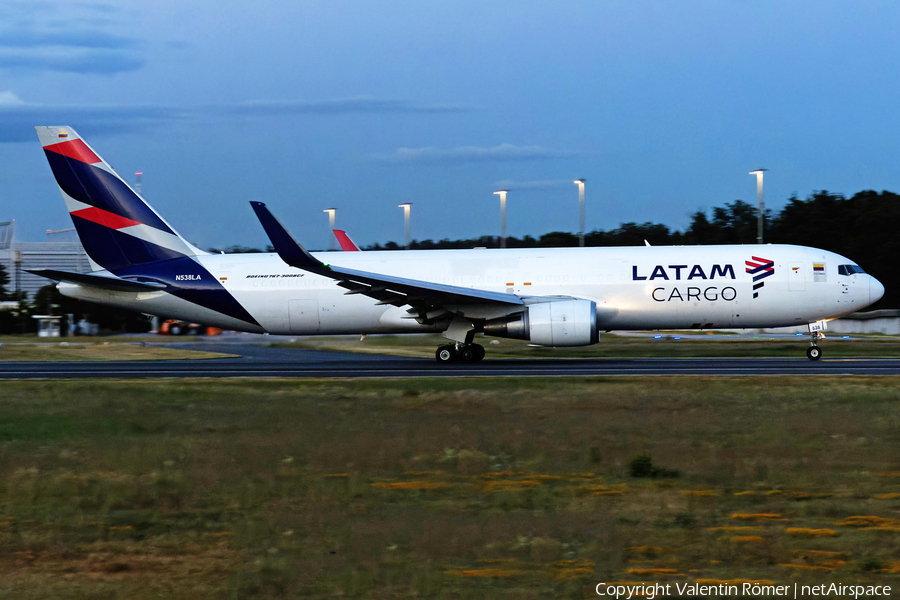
61, 250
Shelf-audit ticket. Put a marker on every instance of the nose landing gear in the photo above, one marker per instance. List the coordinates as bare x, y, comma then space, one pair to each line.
814, 352
463, 352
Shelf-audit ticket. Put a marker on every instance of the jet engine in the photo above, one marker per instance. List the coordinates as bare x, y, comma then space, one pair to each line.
568, 322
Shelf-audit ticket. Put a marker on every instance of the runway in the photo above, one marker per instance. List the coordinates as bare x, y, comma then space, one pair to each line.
263, 361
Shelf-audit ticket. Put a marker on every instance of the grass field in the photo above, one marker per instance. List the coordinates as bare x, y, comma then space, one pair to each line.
616, 346
480, 488
95, 351
31, 338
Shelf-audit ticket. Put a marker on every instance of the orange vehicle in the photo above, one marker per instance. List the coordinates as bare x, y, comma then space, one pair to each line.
173, 327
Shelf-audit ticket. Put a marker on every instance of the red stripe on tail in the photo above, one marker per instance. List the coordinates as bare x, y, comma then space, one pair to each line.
74, 149
105, 218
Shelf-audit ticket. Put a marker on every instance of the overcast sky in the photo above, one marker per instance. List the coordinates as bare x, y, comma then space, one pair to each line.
664, 107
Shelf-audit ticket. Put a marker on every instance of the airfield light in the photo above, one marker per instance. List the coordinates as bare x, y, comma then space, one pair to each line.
406, 206
502, 194
138, 181
580, 184
330, 212
759, 198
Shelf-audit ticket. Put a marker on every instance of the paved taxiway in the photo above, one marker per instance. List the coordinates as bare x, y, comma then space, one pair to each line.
262, 361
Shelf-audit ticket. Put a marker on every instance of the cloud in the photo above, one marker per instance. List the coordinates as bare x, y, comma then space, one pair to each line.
68, 41
18, 118
362, 104
502, 152
8, 98
85, 38
98, 62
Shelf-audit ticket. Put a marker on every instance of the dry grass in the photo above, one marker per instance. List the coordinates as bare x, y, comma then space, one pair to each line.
97, 351
810, 533
498, 488
614, 346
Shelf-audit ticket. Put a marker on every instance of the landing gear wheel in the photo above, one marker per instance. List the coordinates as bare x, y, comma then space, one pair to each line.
467, 354
445, 354
814, 352
479, 351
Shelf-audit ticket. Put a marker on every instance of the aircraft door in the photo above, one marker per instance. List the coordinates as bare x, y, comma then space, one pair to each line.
304, 316
796, 276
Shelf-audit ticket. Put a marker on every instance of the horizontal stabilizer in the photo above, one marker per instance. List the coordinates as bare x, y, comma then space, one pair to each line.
100, 281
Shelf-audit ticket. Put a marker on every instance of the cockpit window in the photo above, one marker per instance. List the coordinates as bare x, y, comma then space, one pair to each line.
849, 269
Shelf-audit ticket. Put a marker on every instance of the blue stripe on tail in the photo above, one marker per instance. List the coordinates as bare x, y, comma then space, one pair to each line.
205, 290
96, 187
114, 250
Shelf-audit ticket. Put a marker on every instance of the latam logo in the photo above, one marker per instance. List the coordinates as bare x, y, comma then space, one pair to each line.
760, 268
692, 272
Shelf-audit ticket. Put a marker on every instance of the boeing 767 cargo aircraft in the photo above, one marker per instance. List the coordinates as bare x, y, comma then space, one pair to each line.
552, 297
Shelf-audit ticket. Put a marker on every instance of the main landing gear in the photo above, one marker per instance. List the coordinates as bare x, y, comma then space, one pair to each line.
814, 352
464, 352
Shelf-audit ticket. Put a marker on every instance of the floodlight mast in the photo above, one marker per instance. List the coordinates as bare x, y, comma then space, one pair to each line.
330, 212
502, 194
759, 199
580, 184
406, 208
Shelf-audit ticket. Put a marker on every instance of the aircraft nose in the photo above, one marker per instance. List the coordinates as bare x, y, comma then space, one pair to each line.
876, 290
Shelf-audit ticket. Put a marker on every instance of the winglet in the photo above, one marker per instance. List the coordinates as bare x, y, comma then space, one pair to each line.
285, 245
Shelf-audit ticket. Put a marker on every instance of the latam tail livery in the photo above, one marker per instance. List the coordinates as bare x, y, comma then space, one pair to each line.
552, 297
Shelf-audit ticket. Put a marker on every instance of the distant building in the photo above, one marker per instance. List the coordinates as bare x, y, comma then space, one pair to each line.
62, 250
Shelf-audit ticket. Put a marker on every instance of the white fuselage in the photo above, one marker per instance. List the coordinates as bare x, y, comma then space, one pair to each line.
662, 287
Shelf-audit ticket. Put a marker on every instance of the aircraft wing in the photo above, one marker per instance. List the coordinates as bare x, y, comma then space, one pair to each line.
100, 281
428, 298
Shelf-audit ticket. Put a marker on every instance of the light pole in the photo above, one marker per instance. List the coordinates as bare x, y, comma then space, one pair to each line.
759, 199
330, 212
502, 194
405, 206
580, 184
138, 182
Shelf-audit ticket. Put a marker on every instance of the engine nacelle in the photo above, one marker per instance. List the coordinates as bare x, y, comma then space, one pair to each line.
555, 323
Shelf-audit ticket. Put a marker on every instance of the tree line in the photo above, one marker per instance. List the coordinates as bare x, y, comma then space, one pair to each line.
865, 228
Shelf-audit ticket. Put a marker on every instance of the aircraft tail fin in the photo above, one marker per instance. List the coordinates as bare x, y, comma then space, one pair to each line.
115, 224
344, 240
